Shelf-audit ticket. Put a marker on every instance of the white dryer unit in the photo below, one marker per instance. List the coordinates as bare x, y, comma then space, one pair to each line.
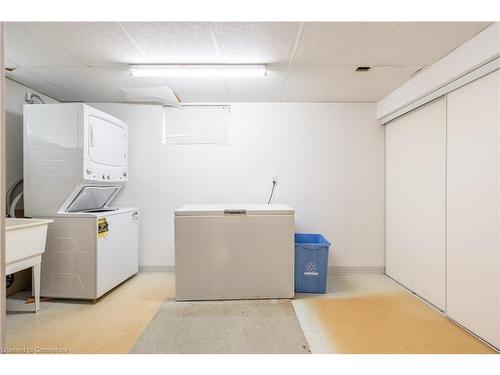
68, 146
234, 252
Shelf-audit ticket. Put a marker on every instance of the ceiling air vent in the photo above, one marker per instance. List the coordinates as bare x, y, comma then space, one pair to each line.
363, 68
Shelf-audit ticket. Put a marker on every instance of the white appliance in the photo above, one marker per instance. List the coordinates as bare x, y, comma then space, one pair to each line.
67, 147
75, 163
234, 252
89, 253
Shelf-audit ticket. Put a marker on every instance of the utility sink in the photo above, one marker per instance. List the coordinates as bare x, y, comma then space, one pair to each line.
24, 238
24, 245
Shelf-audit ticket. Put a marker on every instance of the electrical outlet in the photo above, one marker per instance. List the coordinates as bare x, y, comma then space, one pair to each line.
275, 179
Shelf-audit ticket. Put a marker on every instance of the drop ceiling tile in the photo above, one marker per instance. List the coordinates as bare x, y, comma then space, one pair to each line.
174, 42
373, 85
120, 78
33, 81
93, 43
200, 89
258, 89
26, 49
314, 84
339, 43
84, 84
255, 42
422, 43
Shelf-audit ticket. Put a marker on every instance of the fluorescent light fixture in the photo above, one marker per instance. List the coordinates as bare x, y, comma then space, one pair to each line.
236, 70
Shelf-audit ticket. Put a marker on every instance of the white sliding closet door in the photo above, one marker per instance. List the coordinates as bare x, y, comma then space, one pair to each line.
416, 202
473, 228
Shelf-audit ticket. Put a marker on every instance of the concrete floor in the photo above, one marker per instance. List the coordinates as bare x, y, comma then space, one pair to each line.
111, 325
361, 313
372, 314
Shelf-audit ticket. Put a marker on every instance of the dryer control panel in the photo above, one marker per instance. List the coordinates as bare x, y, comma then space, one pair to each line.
98, 173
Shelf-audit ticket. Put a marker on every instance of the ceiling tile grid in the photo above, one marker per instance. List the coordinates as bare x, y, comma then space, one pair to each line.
310, 61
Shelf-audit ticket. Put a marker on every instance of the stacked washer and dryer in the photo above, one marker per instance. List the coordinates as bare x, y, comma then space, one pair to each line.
75, 163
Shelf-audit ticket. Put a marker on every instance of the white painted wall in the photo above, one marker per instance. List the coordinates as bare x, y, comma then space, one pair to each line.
14, 100
329, 159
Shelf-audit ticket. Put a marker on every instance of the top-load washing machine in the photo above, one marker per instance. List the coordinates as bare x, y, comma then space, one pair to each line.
75, 163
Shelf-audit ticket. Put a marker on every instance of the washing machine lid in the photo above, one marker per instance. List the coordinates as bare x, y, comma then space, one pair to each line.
92, 198
233, 209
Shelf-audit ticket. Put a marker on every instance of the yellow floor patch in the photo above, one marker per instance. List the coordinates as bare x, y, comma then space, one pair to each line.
391, 323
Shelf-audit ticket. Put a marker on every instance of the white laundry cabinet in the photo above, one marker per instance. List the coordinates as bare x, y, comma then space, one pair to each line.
443, 204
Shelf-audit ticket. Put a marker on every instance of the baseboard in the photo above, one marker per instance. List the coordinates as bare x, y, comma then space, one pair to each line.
331, 270
361, 269
156, 268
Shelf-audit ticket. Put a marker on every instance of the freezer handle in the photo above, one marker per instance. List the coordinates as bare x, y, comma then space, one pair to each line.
235, 212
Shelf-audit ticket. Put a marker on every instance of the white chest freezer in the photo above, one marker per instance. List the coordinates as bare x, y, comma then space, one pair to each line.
89, 253
234, 252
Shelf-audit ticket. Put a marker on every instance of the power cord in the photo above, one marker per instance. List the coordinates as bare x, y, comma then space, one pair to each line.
272, 192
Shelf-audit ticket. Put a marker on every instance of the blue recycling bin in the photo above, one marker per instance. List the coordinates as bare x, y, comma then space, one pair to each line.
311, 263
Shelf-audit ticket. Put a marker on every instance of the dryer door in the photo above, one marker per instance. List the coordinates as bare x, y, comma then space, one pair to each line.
107, 142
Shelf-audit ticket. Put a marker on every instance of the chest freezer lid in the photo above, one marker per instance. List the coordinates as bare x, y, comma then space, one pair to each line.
233, 209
